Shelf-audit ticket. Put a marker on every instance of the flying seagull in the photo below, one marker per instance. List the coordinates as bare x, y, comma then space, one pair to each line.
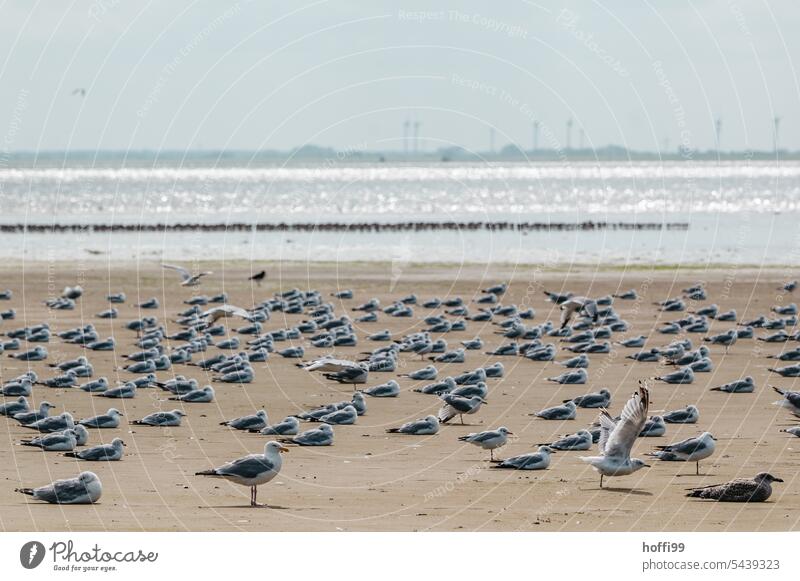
187, 278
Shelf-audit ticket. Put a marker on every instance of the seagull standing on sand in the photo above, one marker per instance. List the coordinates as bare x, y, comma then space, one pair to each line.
688, 450
489, 440
187, 278
617, 438
455, 405
252, 470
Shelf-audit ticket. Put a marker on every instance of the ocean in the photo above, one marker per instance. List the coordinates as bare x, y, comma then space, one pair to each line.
734, 212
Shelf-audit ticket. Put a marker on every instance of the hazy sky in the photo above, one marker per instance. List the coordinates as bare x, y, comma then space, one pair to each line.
269, 74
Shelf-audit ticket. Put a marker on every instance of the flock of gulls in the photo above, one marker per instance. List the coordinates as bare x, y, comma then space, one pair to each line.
199, 339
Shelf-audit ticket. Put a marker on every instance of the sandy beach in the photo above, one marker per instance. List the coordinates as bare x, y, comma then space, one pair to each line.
373, 481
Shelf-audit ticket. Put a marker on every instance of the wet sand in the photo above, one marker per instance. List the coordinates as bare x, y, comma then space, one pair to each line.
370, 480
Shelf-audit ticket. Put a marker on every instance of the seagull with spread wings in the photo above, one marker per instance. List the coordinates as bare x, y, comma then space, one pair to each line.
187, 278
578, 305
617, 437
224, 312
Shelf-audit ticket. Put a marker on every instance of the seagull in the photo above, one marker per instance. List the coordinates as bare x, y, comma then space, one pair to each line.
425, 374
617, 438
688, 450
103, 453
164, 419
601, 399
579, 376
427, 426
539, 460
458, 406
578, 305
653, 428
110, 419
790, 401
682, 375
389, 389
20, 405
52, 423
488, 440
343, 417
204, 395
223, 312
689, 415
187, 278
726, 339
28, 417
758, 489
321, 436
56, 442
581, 440
256, 421
745, 385
560, 412
252, 470
289, 426
85, 489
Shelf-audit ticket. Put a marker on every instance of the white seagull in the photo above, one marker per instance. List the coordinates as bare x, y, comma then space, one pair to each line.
187, 278
617, 438
252, 470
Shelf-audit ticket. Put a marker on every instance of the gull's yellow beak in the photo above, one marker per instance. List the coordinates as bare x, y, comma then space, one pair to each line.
283, 449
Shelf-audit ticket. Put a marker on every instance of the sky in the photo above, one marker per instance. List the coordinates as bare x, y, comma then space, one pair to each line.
262, 74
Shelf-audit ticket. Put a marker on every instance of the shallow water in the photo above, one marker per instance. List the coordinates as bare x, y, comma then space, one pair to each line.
738, 212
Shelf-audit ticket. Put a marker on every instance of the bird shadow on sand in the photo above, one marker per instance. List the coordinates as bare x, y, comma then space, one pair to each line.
695, 475
625, 490
240, 506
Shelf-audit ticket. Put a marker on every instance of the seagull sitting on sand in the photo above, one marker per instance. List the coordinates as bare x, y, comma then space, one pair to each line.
256, 421
289, 426
321, 436
617, 438
102, 453
581, 440
85, 489
759, 489
489, 440
427, 426
56, 442
539, 460
600, 399
187, 278
745, 385
110, 419
689, 415
161, 419
252, 470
